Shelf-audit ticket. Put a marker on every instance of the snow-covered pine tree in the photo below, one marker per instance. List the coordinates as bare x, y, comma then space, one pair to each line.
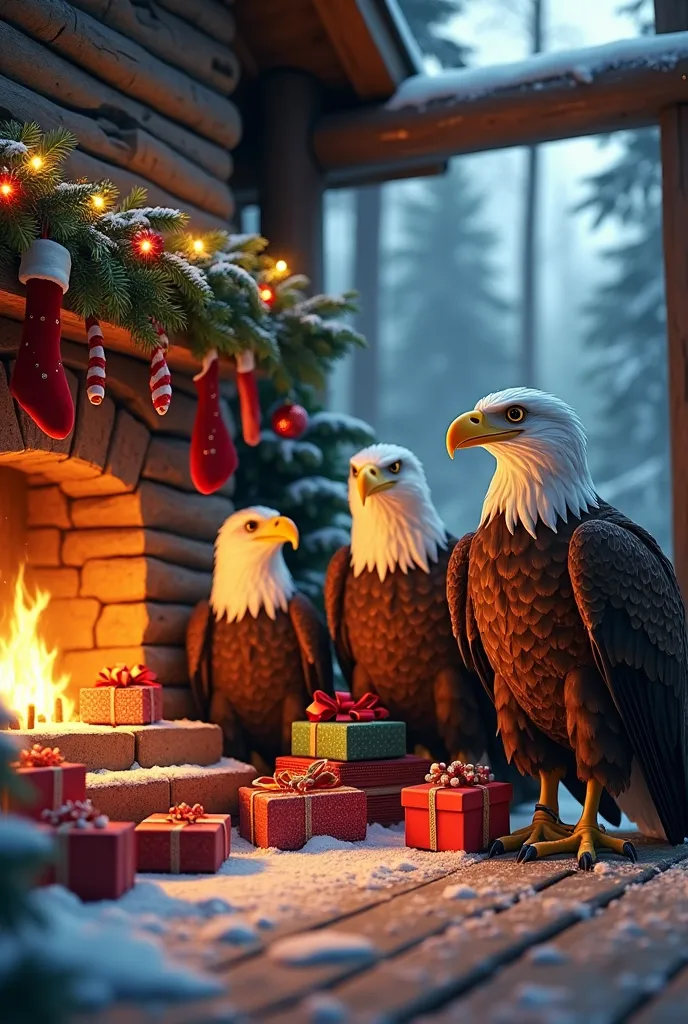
305, 479
447, 340
30, 988
627, 330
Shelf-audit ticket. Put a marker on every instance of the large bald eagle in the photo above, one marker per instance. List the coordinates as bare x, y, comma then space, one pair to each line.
572, 617
258, 650
385, 598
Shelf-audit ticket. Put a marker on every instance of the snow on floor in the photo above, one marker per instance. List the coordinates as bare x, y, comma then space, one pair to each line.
663, 51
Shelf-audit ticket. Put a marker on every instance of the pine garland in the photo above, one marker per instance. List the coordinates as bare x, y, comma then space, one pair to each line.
212, 286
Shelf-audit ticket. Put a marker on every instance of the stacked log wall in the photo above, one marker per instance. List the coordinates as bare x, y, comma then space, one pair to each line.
145, 86
115, 531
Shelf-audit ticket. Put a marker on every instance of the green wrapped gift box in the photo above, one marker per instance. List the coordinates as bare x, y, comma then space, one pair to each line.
348, 741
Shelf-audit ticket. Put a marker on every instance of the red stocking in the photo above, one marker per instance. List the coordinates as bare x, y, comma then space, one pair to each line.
249, 402
213, 455
39, 383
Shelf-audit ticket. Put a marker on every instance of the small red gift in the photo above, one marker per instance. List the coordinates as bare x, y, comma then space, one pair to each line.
381, 781
94, 858
460, 809
52, 780
122, 696
286, 810
184, 841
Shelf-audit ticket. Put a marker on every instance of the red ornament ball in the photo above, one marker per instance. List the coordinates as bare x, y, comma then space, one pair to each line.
267, 294
148, 245
289, 421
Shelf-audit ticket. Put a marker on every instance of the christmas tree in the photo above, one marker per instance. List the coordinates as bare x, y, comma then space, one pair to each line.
30, 988
304, 478
447, 343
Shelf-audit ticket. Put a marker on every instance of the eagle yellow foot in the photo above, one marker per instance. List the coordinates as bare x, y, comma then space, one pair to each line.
585, 842
545, 827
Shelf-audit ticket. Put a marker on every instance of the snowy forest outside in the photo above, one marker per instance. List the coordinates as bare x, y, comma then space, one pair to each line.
442, 268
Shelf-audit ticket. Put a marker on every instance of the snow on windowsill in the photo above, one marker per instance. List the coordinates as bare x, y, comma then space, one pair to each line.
136, 776
577, 66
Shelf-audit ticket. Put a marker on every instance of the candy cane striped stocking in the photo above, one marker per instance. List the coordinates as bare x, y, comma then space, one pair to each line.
96, 374
160, 378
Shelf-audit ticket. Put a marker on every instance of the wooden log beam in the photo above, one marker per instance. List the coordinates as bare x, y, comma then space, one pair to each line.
169, 38
82, 165
671, 16
35, 66
207, 15
602, 89
291, 184
134, 149
125, 65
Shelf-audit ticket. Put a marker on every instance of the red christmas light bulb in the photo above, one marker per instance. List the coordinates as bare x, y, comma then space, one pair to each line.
149, 245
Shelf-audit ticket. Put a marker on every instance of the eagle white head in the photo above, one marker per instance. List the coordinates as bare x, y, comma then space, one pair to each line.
394, 522
250, 573
541, 451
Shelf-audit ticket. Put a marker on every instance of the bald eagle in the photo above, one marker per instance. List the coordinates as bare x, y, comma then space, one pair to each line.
385, 598
258, 650
571, 616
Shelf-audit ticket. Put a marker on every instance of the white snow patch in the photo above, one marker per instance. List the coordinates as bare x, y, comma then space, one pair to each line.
324, 946
529, 996
581, 66
227, 928
321, 1008
459, 892
137, 776
547, 956
317, 487
339, 422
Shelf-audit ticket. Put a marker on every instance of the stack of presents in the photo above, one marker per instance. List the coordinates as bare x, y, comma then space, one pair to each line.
348, 768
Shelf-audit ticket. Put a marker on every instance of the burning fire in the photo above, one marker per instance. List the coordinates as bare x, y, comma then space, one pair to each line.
27, 668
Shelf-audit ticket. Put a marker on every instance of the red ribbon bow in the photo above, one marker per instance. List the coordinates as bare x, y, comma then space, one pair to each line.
183, 812
122, 675
317, 776
343, 708
40, 757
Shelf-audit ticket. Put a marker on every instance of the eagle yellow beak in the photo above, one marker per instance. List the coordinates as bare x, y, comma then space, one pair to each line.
279, 531
473, 429
372, 479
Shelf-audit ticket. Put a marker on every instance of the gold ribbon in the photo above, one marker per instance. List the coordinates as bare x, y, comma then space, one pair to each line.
432, 807
62, 850
58, 788
313, 739
113, 716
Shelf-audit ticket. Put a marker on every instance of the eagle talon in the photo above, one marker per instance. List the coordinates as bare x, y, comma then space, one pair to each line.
586, 862
496, 849
630, 851
527, 853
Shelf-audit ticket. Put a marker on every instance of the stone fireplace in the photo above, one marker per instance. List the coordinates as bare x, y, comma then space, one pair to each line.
107, 522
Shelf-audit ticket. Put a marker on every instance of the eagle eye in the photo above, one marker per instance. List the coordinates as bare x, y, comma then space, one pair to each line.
251, 526
516, 414
395, 467
354, 472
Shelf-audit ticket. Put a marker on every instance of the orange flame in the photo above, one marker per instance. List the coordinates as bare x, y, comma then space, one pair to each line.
27, 666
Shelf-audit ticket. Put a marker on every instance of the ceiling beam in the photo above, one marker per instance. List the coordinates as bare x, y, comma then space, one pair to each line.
559, 96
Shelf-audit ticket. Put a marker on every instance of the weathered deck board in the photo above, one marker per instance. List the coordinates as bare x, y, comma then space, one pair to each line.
608, 965
669, 1006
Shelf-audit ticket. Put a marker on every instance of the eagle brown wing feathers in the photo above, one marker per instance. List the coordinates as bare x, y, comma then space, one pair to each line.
631, 605
476, 661
335, 585
198, 642
314, 644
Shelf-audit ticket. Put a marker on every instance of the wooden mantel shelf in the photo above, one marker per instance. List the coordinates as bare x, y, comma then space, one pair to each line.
179, 356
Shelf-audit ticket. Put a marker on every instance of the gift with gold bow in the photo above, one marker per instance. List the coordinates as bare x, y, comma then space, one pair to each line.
340, 728
51, 779
122, 696
184, 841
287, 809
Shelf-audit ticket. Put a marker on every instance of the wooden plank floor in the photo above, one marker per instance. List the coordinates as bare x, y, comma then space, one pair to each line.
516, 944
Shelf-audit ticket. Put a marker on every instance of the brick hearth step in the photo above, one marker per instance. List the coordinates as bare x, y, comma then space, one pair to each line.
163, 744
134, 794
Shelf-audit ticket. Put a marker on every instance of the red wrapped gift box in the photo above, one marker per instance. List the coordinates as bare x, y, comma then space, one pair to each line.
381, 781
287, 820
183, 847
466, 818
52, 787
94, 863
